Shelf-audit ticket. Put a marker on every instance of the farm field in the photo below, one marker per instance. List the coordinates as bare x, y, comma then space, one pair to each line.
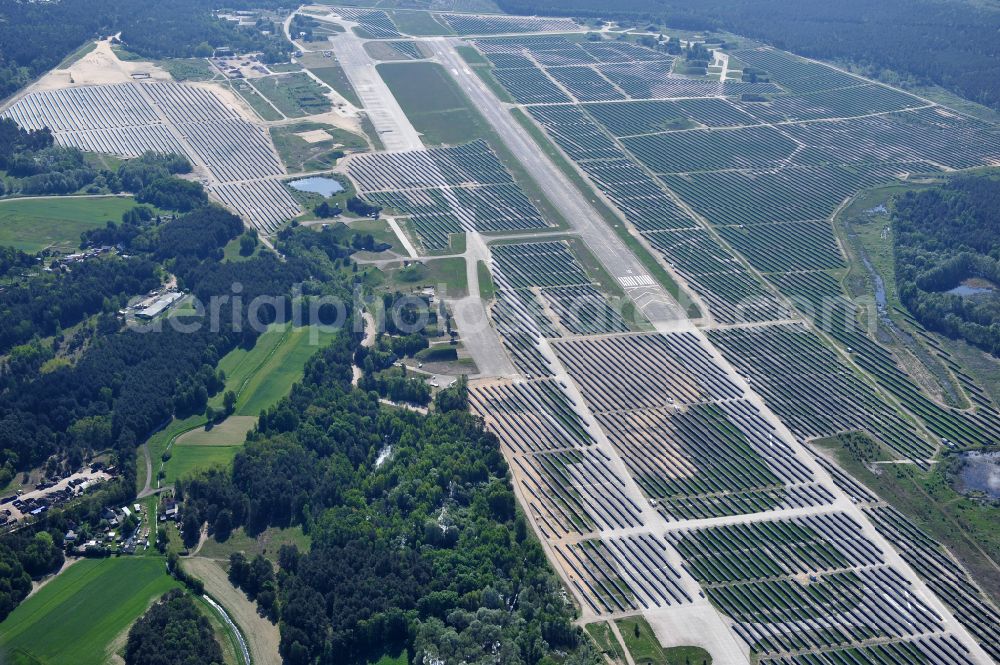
76, 618
260, 377
201, 448
56, 222
265, 373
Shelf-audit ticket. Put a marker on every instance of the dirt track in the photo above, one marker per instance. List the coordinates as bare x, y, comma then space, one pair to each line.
261, 635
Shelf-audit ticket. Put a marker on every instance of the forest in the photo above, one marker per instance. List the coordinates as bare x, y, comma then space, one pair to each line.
172, 632
945, 236
104, 387
424, 550
951, 43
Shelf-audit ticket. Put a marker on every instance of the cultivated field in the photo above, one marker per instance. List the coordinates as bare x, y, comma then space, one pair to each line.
75, 618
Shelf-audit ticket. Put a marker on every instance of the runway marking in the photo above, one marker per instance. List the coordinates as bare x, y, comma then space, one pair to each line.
636, 280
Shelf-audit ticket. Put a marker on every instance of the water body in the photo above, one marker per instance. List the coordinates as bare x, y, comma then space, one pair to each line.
965, 290
317, 185
980, 472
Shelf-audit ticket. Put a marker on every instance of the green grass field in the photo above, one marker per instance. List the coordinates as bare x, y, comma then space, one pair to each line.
301, 155
449, 272
31, 225
202, 448
646, 649
256, 101
334, 76
486, 288
266, 543
400, 659
418, 24
295, 95
188, 69
187, 460
277, 368
76, 618
260, 377
434, 104
606, 641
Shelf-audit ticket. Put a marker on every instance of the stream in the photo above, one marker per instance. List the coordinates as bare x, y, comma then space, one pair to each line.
235, 629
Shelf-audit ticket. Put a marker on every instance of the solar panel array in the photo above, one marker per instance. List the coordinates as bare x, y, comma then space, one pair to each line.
128, 119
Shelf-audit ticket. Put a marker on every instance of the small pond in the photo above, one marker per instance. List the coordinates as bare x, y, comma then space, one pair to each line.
980, 472
966, 290
317, 185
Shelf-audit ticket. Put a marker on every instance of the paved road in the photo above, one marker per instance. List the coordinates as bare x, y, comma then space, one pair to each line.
479, 337
383, 110
652, 299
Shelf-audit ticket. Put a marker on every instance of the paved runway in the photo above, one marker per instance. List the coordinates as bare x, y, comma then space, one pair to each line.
392, 125
652, 299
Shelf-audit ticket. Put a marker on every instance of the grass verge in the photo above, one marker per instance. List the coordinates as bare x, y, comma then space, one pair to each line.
645, 648
964, 525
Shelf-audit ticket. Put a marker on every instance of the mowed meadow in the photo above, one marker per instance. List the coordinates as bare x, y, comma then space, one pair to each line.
34, 224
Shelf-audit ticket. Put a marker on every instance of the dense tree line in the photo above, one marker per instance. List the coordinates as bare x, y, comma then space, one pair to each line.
172, 632
22, 557
13, 260
126, 380
423, 550
182, 28
45, 303
33, 165
396, 386
953, 44
254, 576
944, 235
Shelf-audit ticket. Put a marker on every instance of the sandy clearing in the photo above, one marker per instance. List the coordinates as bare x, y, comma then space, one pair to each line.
100, 66
230, 99
314, 135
